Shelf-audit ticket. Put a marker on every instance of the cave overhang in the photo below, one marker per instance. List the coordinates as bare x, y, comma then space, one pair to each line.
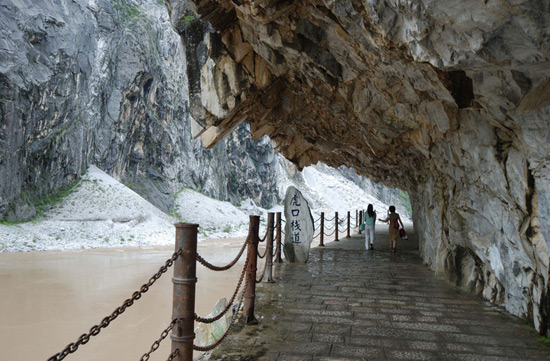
449, 100
370, 86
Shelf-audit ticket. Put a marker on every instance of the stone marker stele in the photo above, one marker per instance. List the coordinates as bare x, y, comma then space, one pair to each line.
298, 228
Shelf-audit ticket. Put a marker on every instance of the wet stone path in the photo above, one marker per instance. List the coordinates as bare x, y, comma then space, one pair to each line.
350, 304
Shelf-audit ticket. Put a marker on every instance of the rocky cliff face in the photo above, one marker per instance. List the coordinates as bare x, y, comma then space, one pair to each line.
449, 100
104, 82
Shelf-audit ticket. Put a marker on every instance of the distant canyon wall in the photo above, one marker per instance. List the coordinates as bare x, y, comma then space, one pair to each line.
104, 82
449, 100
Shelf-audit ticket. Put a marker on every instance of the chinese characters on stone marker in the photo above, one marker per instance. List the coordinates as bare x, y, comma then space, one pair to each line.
295, 224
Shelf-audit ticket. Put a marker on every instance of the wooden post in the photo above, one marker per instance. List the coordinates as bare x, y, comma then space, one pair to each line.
349, 218
278, 242
269, 248
184, 280
336, 227
322, 230
252, 255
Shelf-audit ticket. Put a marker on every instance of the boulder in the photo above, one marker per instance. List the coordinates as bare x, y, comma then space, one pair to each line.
208, 333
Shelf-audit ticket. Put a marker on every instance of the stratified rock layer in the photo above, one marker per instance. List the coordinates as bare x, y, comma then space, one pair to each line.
449, 100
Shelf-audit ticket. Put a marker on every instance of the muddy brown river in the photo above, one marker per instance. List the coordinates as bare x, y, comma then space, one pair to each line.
48, 299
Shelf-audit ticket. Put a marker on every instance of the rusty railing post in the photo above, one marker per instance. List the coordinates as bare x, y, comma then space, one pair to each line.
269, 248
336, 227
349, 218
360, 219
184, 280
356, 218
252, 255
322, 230
278, 242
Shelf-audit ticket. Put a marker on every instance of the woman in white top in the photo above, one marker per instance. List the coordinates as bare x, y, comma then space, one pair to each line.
370, 219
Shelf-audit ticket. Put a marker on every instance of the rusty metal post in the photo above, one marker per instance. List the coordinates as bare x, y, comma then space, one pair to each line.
322, 230
252, 255
269, 248
336, 227
349, 217
184, 280
278, 242
356, 218
360, 219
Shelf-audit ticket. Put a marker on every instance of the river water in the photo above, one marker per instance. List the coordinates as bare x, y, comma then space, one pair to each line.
48, 299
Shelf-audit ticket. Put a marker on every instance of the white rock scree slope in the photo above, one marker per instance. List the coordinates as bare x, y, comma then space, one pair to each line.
102, 212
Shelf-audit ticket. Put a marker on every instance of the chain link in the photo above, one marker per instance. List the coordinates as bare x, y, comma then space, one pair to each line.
156, 344
226, 267
277, 246
260, 240
263, 273
229, 304
217, 343
260, 256
173, 354
94, 331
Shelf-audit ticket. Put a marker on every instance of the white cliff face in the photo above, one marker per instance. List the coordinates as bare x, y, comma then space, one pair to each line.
105, 83
449, 100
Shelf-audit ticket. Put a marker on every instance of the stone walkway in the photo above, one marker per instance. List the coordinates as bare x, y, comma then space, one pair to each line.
350, 304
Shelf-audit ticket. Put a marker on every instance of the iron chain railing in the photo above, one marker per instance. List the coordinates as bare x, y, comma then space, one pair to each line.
226, 267
274, 253
156, 344
245, 276
265, 235
233, 319
263, 273
96, 329
173, 355
262, 256
229, 304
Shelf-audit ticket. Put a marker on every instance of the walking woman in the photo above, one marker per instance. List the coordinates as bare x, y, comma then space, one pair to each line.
394, 221
370, 219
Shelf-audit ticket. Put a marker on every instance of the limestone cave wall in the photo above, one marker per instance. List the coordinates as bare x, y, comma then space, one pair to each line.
449, 100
